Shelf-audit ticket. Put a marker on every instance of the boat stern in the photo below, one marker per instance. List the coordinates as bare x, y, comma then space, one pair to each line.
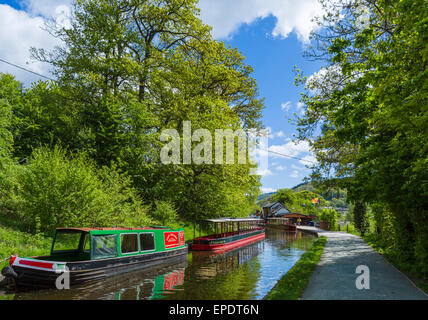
32, 272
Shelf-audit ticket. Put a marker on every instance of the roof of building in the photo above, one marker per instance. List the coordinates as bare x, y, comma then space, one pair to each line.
269, 205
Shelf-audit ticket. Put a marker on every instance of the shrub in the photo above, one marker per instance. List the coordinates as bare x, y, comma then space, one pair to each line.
164, 213
54, 190
329, 215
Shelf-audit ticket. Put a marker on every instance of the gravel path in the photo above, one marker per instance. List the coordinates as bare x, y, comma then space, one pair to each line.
335, 276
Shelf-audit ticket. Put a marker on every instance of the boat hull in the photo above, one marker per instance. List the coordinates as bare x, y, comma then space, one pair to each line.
94, 270
228, 243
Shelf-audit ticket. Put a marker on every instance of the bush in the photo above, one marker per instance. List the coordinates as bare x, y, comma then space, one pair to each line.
164, 213
23, 244
52, 190
329, 215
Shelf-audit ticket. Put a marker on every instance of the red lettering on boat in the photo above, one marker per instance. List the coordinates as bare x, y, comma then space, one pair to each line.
171, 239
182, 238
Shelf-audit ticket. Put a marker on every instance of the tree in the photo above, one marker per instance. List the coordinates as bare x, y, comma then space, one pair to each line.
370, 103
164, 212
330, 216
286, 197
10, 96
133, 69
55, 190
360, 217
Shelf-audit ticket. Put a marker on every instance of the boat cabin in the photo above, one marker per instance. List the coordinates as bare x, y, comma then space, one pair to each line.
229, 233
70, 244
91, 254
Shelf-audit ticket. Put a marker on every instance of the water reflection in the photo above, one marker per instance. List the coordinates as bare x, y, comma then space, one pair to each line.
154, 283
242, 274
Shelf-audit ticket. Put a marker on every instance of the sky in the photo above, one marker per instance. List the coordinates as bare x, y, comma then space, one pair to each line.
271, 34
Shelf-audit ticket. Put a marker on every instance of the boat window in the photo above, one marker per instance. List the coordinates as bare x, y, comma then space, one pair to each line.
87, 244
104, 246
66, 240
129, 243
147, 241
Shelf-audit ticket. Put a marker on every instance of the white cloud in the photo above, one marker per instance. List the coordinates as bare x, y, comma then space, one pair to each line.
286, 106
301, 108
19, 31
300, 150
264, 172
280, 168
296, 167
294, 174
47, 8
280, 134
291, 149
268, 190
227, 16
309, 160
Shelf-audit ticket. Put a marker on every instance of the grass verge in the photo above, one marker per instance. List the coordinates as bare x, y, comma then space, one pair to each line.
292, 285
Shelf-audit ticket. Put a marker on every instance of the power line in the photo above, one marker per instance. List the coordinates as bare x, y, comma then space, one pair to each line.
288, 156
22, 68
40, 75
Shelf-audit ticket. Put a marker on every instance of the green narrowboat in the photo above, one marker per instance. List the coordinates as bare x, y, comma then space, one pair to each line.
91, 254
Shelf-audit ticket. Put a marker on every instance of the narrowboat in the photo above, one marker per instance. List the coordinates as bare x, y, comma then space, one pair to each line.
229, 234
92, 254
281, 223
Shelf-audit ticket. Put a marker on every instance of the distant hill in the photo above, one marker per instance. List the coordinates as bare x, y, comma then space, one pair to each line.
336, 199
299, 187
265, 195
304, 187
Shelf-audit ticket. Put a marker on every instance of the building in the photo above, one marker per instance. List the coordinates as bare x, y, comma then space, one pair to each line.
304, 220
274, 209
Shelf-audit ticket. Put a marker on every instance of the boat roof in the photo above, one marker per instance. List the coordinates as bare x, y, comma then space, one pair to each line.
294, 215
111, 229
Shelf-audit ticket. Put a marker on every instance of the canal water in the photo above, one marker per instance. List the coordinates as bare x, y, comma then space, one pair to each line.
246, 273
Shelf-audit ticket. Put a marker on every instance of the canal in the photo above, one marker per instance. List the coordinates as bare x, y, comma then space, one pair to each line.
246, 273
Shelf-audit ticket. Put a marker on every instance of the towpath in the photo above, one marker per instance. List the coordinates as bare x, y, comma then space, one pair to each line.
335, 277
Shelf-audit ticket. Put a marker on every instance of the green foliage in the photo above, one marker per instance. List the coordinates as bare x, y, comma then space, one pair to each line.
164, 212
292, 285
22, 243
329, 215
125, 74
10, 96
370, 106
360, 216
296, 202
88, 145
53, 190
286, 197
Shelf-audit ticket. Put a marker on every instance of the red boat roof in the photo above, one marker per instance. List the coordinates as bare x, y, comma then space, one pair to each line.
295, 215
108, 229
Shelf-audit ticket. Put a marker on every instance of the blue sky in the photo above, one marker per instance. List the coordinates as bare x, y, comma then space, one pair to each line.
271, 35
273, 60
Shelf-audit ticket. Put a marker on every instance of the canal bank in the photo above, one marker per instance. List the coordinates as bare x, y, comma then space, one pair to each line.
336, 277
